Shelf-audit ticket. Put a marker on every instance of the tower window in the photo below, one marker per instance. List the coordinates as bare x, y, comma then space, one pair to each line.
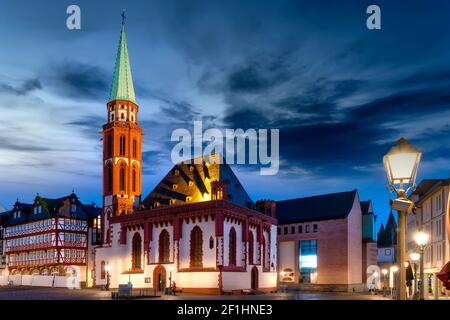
134, 148
132, 118
133, 180
122, 145
109, 177
122, 178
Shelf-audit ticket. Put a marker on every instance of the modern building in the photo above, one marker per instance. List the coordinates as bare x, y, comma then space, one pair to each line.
197, 228
320, 241
431, 198
50, 237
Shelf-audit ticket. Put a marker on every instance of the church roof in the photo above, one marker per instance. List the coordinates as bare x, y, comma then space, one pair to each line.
322, 207
122, 85
190, 182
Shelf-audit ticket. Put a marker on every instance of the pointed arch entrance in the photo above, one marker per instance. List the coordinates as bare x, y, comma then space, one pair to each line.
159, 278
254, 278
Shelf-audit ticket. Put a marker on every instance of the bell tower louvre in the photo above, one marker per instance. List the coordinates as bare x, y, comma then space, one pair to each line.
122, 140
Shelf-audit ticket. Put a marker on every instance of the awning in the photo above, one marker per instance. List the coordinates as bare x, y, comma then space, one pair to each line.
444, 275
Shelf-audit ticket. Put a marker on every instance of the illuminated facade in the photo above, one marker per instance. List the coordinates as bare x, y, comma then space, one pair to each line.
432, 216
325, 242
50, 236
198, 228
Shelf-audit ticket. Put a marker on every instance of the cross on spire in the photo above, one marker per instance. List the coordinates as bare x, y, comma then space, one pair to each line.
123, 16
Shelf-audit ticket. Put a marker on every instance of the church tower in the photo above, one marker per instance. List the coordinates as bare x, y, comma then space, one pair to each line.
122, 140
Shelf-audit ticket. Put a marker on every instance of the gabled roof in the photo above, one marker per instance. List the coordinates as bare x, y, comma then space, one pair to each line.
190, 182
122, 87
322, 207
427, 185
366, 207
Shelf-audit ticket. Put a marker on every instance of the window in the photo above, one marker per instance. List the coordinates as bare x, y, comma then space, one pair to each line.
251, 247
438, 203
285, 230
232, 247
315, 228
308, 260
211, 242
134, 148
278, 231
102, 270
133, 180
108, 146
136, 252
73, 208
196, 247
109, 177
164, 243
293, 229
300, 229
122, 178
122, 145
307, 228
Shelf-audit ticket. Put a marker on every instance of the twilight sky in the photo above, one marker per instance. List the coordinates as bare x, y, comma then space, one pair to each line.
339, 93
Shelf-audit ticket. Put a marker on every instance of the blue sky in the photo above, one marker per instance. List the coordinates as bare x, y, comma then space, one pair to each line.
339, 93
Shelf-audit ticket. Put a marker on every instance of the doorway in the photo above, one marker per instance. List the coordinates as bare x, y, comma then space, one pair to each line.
159, 278
254, 278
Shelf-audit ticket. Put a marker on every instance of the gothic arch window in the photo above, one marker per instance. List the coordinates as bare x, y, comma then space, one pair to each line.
251, 247
232, 247
196, 247
122, 178
122, 145
164, 243
109, 177
134, 148
108, 146
136, 252
102, 270
133, 180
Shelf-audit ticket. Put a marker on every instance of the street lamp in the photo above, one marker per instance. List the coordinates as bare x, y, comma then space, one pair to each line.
415, 257
400, 164
170, 276
107, 269
421, 239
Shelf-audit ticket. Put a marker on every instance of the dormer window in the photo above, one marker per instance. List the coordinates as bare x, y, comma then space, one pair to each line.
177, 172
191, 183
172, 201
35, 210
40, 209
156, 205
175, 186
188, 199
74, 208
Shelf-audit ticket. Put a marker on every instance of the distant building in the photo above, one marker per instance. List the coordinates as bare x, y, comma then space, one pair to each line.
322, 241
50, 236
431, 198
386, 243
369, 244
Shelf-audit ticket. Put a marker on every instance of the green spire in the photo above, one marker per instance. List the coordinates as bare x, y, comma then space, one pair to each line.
122, 86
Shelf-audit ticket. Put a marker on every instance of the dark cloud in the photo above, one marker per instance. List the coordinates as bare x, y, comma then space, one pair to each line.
90, 125
79, 80
27, 86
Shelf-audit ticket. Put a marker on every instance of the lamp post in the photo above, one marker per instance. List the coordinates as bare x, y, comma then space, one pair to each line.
170, 276
384, 272
400, 164
107, 269
415, 257
421, 239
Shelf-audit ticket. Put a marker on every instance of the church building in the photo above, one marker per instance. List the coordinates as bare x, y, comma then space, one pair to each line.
197, 228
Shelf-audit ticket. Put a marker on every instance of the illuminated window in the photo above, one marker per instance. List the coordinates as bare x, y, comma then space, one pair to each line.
232, 247
133, 180
307, 260
196, 258
137, 252
122, 178
250, 247
300, 229
164, 243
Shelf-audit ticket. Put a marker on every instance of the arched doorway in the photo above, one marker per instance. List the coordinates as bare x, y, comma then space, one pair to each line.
254, 278
159, 278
